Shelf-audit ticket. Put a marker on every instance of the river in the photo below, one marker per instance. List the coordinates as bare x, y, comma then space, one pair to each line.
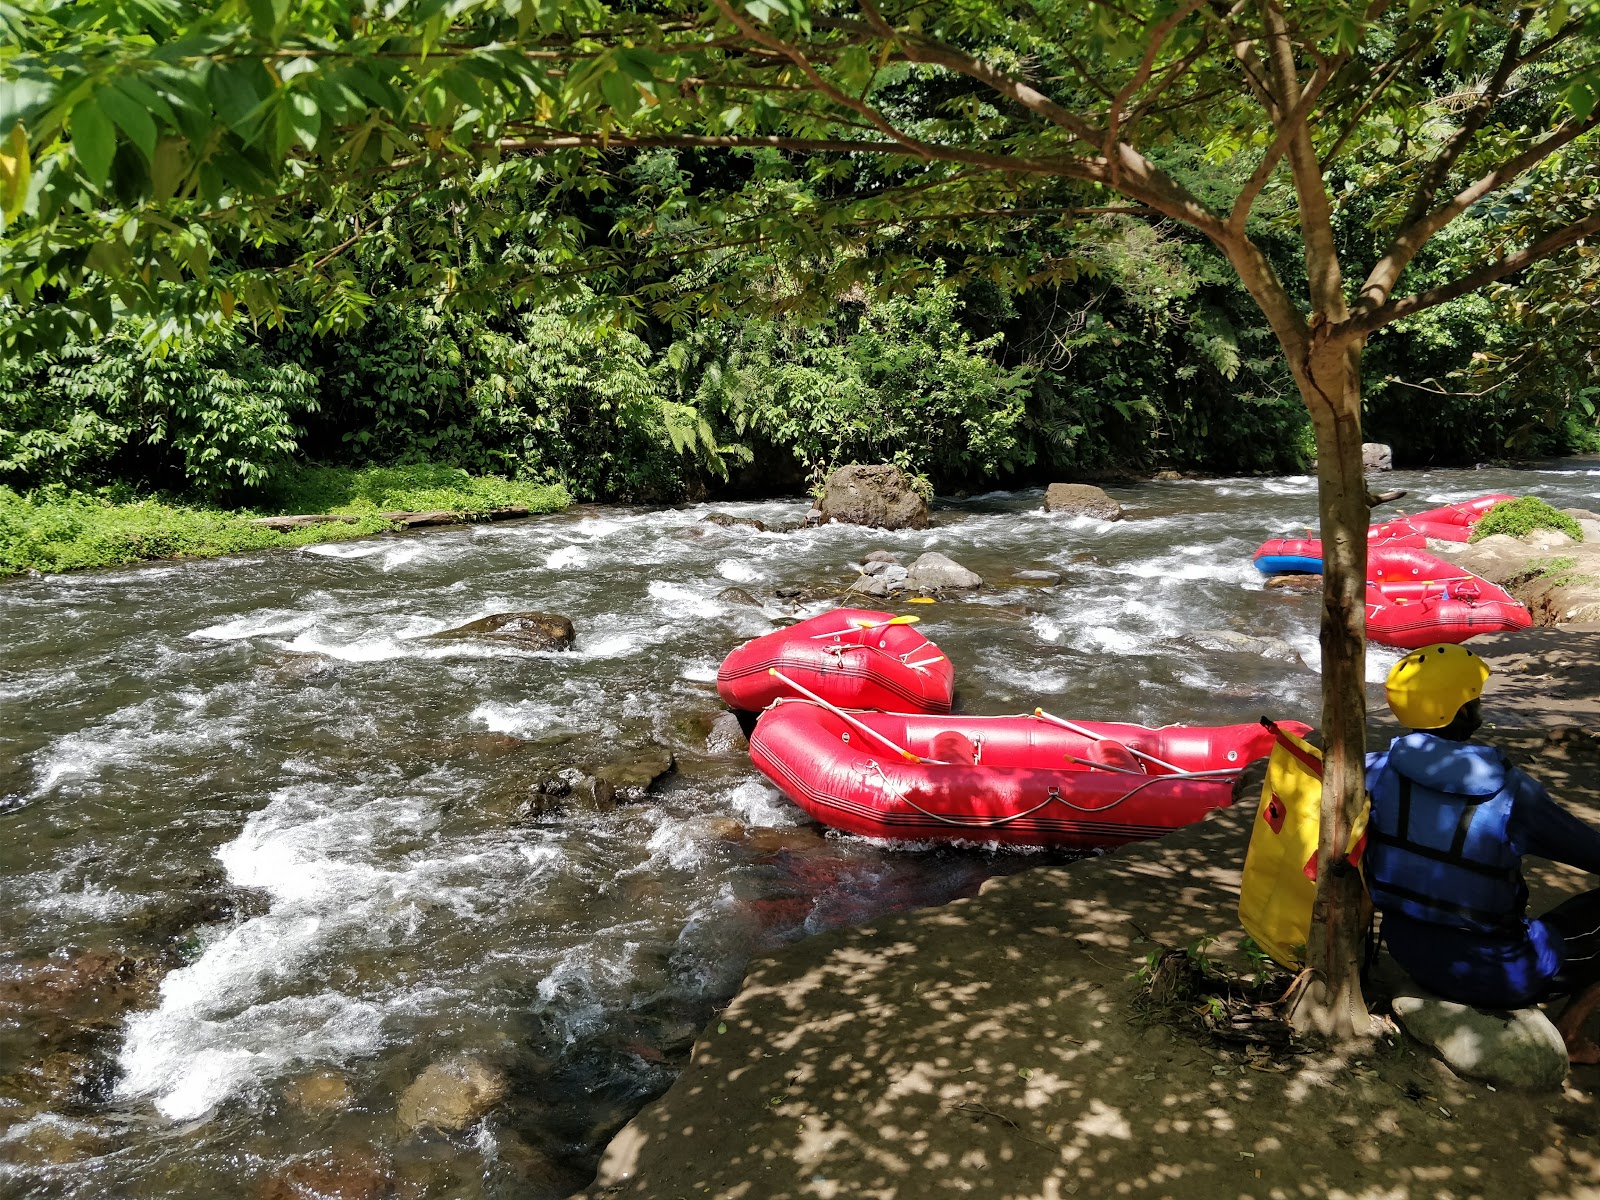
256, 825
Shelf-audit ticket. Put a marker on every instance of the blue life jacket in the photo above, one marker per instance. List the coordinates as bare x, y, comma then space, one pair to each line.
1437, 844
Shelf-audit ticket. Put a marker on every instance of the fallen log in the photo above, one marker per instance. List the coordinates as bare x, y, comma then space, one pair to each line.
300, 521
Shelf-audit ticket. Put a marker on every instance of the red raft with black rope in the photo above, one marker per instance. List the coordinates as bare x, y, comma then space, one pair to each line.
1415, 599
1449, 523
852, 657
1027, 780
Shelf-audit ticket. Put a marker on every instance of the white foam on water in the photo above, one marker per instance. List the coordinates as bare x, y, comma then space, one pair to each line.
699, 672
346, 549
681, 601
1046, 629
759, 803
257, 624
521, 717
177, 722
737, 570
565, 558
242, 1013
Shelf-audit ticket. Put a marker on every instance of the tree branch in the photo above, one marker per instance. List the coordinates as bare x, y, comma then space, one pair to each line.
1437, 171
1292, 127
1386, 272
1368, 322
1141, 76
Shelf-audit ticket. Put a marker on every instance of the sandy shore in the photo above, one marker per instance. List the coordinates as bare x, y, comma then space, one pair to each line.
993, 1047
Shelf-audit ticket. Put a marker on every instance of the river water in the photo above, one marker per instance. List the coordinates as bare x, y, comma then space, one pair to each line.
255, 825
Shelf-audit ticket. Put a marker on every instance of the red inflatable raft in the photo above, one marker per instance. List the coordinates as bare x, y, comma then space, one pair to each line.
851, 657
1415, 599
1021, 780
1450, 523
1447, 523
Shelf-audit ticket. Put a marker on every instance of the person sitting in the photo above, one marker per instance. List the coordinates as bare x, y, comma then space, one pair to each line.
1451, 820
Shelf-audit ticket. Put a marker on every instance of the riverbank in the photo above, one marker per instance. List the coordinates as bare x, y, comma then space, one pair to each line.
52, 533
995, 1046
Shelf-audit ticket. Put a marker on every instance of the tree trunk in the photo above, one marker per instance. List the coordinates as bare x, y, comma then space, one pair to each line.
1329, 1000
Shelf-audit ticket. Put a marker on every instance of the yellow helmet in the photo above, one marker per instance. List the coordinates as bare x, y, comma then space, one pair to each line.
1429, 685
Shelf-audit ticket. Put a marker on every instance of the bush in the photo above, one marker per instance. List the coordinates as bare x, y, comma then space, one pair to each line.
217, 415
1517, 517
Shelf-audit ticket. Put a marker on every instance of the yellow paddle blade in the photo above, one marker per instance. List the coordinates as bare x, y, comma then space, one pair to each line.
920, 600
861, 623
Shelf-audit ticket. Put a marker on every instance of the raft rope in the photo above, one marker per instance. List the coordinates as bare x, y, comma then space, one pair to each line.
869, 626
994, 822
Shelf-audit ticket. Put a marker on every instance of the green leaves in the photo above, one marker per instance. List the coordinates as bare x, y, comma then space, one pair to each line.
94, 141
16, 172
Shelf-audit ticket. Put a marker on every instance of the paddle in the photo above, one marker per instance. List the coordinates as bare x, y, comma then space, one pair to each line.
1149, 758
862, 623
839, 712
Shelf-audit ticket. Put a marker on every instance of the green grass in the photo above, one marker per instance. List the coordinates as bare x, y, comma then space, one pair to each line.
419, 488
71, 532
1524, 515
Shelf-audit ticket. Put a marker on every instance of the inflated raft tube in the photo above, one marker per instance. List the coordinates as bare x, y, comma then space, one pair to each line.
1450, 523
852, 657
1029, 780
1415, 599
1303, 556
1447, 523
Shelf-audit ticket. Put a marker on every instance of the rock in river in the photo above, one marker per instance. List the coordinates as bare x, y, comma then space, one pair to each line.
525, 630
879, 495
450, 1095
1081, 500
933, 571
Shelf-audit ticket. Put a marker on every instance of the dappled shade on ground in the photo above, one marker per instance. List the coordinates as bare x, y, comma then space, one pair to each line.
994, 1047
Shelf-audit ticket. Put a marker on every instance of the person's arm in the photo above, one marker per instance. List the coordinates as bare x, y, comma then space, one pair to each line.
1540, 826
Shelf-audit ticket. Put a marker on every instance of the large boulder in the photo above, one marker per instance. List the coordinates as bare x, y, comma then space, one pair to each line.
881, 495
524, 630
1375, 456
933, 572
1081, 500
1519, 1049
1558, 579
449, 1096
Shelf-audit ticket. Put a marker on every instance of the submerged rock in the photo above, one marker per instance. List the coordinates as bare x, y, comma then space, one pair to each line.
1521, 1048
738, 595
525, 630
449, 1096
1039, 578
1081, 500
344, 1173
881, 556
1296, 583
728, 522
630, 780
880, 495
726, 736
325, 1091
1246, 643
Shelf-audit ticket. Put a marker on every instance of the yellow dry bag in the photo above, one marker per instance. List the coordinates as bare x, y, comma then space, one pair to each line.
1280, 867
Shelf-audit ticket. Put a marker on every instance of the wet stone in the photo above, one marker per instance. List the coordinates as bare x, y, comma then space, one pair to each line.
449, 1096
729, 522
1295, 583
1081, 500
878, 494
319, 1093
347, 1173
740, 596
1039, 578
933, 571
726, 736
525, 630
881, 556
772, 840
629, 781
